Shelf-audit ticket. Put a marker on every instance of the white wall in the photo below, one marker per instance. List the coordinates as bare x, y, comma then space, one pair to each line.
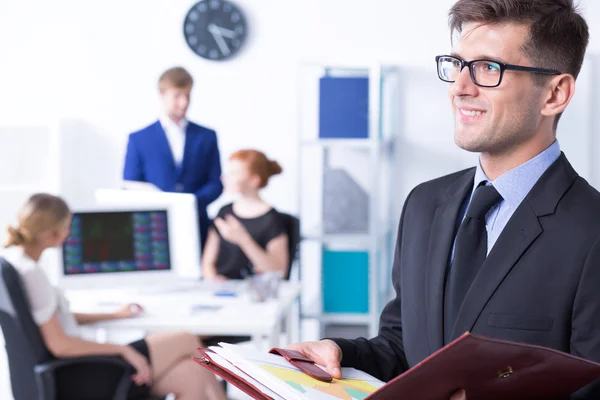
96, 62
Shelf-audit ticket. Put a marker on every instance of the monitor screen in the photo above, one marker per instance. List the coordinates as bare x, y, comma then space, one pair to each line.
117, 241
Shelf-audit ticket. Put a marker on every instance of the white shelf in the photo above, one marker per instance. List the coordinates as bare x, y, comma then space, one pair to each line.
369, 164
341, 318
358, 240
350, 143
362, 239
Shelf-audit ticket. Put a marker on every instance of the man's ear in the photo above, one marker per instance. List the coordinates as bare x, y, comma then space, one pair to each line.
560, 91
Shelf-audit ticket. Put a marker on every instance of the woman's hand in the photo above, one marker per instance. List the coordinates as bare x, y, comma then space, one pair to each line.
129, 311
143, 373
231, 229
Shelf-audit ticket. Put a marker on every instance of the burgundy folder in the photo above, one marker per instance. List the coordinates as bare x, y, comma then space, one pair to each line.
207, 362
488, 369
492, 369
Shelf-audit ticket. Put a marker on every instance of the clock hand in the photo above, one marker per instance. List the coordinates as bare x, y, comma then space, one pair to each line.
228, 33
219, 39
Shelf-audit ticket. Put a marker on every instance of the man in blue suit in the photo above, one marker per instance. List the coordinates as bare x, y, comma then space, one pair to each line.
175, 154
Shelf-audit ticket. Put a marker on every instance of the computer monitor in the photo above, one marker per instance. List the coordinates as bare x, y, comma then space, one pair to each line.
110, 247
117, 241
184, 234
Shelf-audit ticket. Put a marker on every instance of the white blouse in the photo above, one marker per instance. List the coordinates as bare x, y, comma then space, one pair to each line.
44, 299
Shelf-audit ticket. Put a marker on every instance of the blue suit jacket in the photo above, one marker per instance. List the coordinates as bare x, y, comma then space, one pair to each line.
149, 159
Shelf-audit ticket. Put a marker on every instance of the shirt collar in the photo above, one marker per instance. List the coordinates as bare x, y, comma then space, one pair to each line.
168, 123
514, 185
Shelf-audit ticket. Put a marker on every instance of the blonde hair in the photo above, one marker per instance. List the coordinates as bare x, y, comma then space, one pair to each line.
176, 77
258, 164
40, 213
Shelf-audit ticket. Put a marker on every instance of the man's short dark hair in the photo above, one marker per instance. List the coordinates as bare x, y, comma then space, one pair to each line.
176, 77
558, 34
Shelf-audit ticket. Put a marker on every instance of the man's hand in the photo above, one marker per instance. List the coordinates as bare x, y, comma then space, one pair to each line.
328, 354
325, 353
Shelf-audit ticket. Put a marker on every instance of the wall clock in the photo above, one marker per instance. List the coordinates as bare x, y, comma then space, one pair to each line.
215, 29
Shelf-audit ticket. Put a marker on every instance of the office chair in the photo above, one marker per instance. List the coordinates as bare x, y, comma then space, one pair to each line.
33, 370
293, 232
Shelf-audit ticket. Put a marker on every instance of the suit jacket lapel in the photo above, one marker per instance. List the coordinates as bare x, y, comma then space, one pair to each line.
163, 143
521, 231
440, 245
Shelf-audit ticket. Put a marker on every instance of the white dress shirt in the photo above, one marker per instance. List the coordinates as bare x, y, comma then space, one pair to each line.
175, 133
45, 300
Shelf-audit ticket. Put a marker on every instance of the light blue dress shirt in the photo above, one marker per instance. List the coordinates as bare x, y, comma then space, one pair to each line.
513, 186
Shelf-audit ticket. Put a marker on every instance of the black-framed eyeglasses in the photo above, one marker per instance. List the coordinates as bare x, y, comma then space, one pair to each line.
484, 73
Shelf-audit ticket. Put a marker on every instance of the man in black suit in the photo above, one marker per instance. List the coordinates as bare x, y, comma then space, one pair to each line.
509, 249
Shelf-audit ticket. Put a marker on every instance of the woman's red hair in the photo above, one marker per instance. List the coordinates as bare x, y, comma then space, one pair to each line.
258, 164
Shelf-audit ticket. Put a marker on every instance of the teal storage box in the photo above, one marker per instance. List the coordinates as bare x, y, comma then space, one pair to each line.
345, 281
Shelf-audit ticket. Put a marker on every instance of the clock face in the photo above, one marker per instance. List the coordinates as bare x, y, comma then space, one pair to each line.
215, 29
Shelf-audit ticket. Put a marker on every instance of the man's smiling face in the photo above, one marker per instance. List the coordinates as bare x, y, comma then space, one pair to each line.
493, 120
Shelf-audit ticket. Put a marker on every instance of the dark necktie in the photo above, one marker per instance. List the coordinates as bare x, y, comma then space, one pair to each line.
470, 251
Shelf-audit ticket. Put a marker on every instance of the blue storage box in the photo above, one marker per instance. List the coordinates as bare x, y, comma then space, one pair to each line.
344, 107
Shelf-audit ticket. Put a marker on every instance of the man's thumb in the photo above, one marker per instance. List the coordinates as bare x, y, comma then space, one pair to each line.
333, 367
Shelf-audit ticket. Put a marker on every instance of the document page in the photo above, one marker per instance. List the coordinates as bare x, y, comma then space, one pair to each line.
274, 372
238, 372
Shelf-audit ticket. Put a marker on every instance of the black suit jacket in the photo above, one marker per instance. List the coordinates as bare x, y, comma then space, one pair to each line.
540, 283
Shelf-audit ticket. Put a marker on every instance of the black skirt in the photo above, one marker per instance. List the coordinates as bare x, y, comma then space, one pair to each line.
97, 381
140, 392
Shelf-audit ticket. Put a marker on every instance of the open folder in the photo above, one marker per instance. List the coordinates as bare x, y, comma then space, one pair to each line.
488, 369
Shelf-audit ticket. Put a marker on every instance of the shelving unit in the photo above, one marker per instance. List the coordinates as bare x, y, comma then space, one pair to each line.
364, 164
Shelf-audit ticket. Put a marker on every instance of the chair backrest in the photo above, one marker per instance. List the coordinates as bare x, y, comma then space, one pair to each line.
24, 345
293, 232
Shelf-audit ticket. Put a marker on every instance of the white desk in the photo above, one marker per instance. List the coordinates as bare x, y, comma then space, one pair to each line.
192, 309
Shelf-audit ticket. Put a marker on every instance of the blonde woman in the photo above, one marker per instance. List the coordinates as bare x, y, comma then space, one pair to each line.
162, 362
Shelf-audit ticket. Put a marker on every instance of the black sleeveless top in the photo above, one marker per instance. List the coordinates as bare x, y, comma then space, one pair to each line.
231, 260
